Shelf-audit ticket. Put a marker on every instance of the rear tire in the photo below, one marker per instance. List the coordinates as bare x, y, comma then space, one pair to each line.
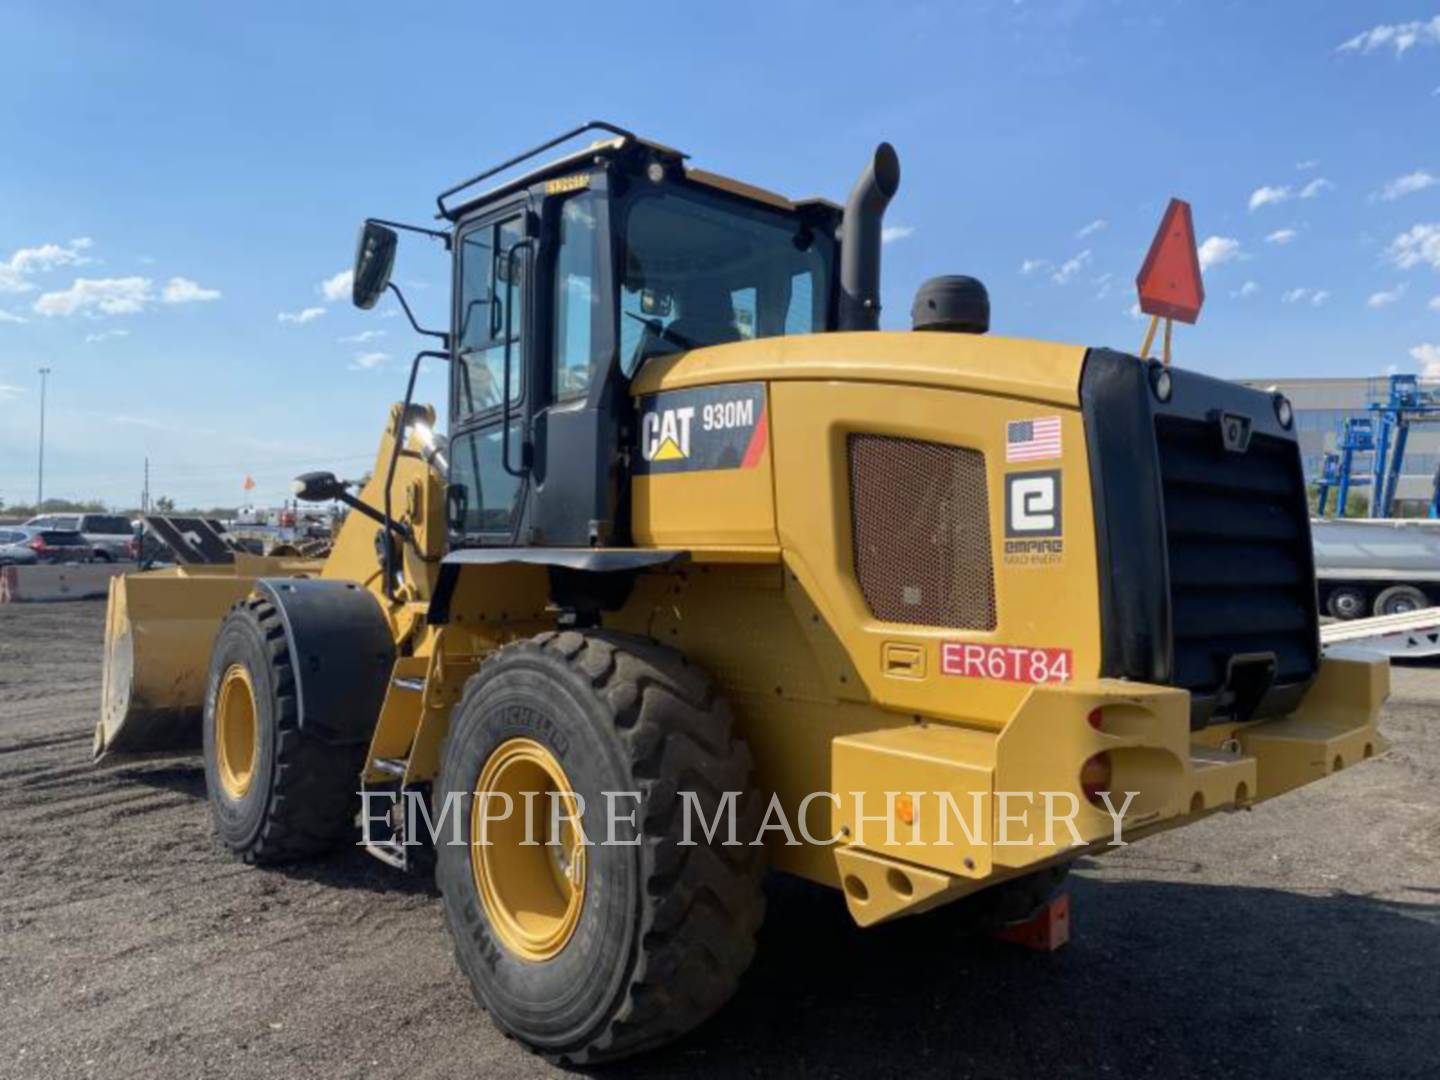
663, 930
280, 794
1400, 599
1347, 602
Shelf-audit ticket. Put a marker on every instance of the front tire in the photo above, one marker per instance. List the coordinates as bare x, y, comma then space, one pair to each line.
277, 793
646, 940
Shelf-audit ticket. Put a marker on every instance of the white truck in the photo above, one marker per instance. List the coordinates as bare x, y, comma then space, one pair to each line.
1367, 566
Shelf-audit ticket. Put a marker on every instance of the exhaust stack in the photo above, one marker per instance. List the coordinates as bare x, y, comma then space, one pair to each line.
860, 240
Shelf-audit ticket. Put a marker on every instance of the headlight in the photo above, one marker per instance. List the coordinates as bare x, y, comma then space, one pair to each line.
1161, 382
1284, 411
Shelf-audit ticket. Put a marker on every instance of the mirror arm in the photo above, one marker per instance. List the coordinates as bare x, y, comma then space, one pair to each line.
444, 337
388, 520
435, 234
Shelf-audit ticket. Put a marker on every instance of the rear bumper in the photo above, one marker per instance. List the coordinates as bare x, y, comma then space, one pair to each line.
929, 812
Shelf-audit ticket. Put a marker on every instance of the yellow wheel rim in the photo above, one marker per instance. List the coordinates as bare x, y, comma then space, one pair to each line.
237, 742
532, 892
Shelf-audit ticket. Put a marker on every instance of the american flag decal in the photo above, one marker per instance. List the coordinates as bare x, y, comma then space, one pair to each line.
1032, 440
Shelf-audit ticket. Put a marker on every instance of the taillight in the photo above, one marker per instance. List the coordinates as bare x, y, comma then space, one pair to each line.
1095, 776
37, 545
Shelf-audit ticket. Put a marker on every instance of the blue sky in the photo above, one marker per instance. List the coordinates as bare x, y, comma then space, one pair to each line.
181, 180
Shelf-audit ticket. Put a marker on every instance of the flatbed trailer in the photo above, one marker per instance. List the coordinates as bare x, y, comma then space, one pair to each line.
1413, 635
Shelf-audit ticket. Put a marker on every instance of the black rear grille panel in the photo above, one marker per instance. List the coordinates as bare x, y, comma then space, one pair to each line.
1237, 539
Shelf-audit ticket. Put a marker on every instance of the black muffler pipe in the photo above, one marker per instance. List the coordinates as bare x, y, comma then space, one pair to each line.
860, 240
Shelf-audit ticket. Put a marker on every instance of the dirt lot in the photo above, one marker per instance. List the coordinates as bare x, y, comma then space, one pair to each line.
1302, 938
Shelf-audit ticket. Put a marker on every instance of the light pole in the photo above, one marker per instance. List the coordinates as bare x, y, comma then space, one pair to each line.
40, 481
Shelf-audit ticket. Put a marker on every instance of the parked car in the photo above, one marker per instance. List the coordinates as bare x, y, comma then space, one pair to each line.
111, 535
57, 545
15, 548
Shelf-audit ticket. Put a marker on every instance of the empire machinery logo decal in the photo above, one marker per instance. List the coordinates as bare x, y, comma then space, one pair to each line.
708, 428
1034, 530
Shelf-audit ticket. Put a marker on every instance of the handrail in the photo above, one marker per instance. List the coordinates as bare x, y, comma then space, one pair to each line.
592, 125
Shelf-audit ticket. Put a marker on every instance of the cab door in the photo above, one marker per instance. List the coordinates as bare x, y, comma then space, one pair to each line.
491, 332
581, 408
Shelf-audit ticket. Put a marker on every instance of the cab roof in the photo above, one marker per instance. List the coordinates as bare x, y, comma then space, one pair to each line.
619, 143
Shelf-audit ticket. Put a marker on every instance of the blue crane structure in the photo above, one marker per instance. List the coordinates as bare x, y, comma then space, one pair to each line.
1383, 435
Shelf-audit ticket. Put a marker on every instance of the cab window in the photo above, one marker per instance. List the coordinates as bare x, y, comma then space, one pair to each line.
489, 280
575, 297
699, 268
489, 497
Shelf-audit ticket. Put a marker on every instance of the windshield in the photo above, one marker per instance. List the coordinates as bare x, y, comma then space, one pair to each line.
703, 269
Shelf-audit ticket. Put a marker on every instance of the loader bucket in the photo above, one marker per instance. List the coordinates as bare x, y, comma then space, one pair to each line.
159, 628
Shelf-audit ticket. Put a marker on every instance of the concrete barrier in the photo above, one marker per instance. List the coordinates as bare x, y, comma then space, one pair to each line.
84, 582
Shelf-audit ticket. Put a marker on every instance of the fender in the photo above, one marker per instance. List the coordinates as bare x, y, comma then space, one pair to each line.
343, 652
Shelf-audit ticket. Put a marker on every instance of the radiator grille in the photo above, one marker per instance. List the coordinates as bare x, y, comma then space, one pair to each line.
920, 519
1238, 539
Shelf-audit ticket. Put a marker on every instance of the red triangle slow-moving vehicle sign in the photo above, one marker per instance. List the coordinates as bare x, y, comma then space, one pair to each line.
1169, 283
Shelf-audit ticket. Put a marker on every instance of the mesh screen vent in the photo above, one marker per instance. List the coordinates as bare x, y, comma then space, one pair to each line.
920, 519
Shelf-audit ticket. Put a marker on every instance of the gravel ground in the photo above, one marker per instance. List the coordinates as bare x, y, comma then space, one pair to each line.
1300, 939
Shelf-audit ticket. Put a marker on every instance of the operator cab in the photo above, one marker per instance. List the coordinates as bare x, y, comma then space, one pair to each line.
566, 280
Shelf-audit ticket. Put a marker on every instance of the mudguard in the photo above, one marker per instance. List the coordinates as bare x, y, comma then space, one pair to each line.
341, 645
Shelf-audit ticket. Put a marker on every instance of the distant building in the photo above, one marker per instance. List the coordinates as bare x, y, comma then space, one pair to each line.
1321, 406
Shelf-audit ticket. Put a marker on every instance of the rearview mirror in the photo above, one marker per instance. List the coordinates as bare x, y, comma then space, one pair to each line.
317, 487
374, 259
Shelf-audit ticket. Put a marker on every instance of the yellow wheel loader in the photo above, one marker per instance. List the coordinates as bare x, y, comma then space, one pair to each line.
709, 575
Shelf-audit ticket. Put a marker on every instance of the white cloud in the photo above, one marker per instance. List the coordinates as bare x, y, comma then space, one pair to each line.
1408, 184
1428, 357
179, 290
1089, 230
1315, 297
1268, 196
11, 317
305, 315
1102, 285
1306, 165
1218, 249
1029, 266
888, 235
362, 337
105, 335
1401, 37
1319, 296
1274, 196
1134, 311
107, 296
1434, 304
1250, 288
8, 392
337, 287
1281, 236
38, 260
1070, 267
1420, 244
1386, 297
367, 361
